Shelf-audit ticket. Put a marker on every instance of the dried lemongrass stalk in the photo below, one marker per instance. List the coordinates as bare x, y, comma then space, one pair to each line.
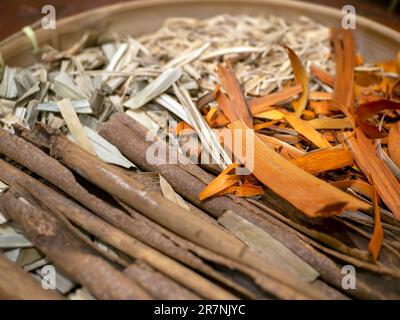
155, 88
393, 143
256, 41
309, 194
170, 194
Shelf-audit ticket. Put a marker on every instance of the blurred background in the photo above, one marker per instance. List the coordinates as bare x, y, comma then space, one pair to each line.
15, 14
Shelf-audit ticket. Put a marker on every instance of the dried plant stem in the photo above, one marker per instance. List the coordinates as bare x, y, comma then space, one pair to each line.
69, 253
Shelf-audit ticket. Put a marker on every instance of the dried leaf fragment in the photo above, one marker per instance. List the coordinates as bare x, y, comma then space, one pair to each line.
309, 194
170, 194
261, 104
394, 143
308, 131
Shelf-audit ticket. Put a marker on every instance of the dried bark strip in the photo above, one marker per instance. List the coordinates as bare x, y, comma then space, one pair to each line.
258, 105
16, 284
51, 170
232, 86
70, 254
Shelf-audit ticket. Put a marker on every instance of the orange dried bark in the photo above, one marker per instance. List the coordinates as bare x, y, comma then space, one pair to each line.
345, 57
330, 123
324, 160
220, 183
232, 86
265, 125
320, 95
181, 127
367, 110
375, 243
208, 97
284, 149
376, 170
220, 120
321, 107
211, 116
301, 77
245, 190
356, 185
309, 194
261, 104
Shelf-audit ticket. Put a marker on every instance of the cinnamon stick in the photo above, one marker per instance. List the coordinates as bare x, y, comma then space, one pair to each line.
70, 254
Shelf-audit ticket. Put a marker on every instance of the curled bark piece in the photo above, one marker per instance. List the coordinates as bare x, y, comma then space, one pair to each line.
157, 284
16, 284
69, 253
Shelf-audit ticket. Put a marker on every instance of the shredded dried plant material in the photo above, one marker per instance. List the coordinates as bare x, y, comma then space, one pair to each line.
375, 244
128, 149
